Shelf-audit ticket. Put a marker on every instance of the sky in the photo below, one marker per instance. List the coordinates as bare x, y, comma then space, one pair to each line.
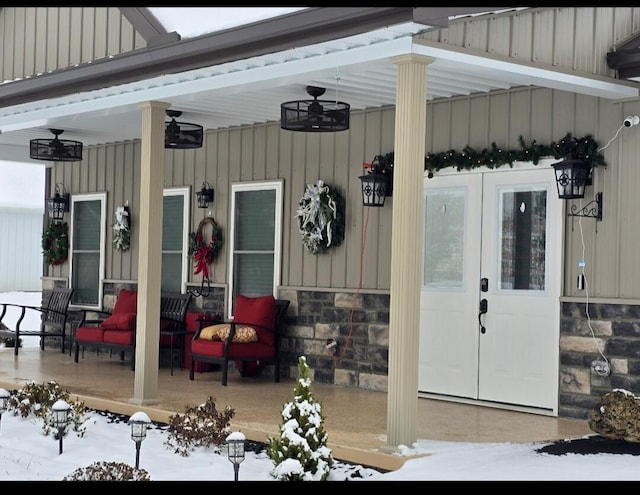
26, 454
194, 21
22, 184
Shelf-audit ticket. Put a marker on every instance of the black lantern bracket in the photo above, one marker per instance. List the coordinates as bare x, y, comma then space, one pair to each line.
592, 209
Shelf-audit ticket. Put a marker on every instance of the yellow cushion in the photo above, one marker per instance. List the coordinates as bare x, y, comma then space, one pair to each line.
212, 332
243, 334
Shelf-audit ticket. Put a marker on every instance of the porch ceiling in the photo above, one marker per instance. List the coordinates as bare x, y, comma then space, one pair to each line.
356, 69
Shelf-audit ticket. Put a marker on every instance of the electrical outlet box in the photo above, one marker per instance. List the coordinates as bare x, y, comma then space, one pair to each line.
601, 368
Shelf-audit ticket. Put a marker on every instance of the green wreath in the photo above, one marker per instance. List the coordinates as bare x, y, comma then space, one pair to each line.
55, 243
202, 251
321, 217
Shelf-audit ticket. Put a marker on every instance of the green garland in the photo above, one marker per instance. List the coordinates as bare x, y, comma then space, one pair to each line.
584, 148
55, 243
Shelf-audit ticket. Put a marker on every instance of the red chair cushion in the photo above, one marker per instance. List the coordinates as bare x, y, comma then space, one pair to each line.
92, 334
126, 302
120, 321
213, 348
257, 311
122, 337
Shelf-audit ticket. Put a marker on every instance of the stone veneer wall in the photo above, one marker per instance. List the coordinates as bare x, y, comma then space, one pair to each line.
616, 332
313, 317
362, 356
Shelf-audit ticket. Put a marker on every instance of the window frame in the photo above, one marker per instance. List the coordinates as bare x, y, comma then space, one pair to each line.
84, 197
185, 192
278, 187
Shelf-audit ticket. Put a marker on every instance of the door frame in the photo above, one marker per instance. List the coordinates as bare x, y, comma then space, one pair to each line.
561, 229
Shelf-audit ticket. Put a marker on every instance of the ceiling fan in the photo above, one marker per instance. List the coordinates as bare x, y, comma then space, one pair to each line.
181, 135
314, 115
56, 149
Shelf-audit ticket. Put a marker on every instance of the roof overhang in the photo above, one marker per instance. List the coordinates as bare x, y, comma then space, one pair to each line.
249, 90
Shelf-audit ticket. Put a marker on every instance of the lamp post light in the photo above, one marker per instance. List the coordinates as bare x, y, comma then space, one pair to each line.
60, 414
139, 423
235, 451
4, 398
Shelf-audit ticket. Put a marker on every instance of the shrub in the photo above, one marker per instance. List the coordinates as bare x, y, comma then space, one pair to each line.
36, 400
108, 471
10, 341
200, 426
301, 453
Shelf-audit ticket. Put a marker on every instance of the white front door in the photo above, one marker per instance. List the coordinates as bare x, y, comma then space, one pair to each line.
492, 275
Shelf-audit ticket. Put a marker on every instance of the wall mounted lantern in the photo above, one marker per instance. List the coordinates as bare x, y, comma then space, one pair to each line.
376, 184
59, 204
205, 195
572, 175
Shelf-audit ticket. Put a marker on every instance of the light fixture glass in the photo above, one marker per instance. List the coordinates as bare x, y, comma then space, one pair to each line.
571, 178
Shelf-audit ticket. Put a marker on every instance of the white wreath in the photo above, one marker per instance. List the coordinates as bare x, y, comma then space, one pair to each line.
317, 210
121, 231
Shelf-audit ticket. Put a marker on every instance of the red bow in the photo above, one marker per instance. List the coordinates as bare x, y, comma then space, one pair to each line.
202, 259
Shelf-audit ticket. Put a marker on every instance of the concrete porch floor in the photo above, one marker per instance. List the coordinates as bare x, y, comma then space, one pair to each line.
355, 419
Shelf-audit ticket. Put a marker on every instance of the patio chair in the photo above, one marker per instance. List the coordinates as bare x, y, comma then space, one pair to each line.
53, 318
251, 340
116, 330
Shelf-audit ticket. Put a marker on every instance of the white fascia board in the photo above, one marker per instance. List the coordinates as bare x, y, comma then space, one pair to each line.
533, 75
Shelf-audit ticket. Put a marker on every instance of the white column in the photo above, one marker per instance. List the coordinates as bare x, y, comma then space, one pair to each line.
150, 253
406, 249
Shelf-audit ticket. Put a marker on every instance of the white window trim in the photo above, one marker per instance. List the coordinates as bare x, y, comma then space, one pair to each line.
278, 186
185, 192
102, 197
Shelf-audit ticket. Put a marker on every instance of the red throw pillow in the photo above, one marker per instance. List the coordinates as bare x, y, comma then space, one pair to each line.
120, 321
127, 302
257, 311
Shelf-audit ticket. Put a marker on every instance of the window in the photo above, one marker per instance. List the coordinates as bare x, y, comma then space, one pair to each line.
175, 222
255, 239
87, 237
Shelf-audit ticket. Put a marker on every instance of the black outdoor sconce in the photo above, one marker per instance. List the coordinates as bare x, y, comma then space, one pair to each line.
59, 204
572, 175
376, 184
205, 195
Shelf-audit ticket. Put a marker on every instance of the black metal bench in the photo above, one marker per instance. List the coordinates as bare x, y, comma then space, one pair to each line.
53, 318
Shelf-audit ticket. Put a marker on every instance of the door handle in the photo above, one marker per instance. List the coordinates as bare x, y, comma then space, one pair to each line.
484, 305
